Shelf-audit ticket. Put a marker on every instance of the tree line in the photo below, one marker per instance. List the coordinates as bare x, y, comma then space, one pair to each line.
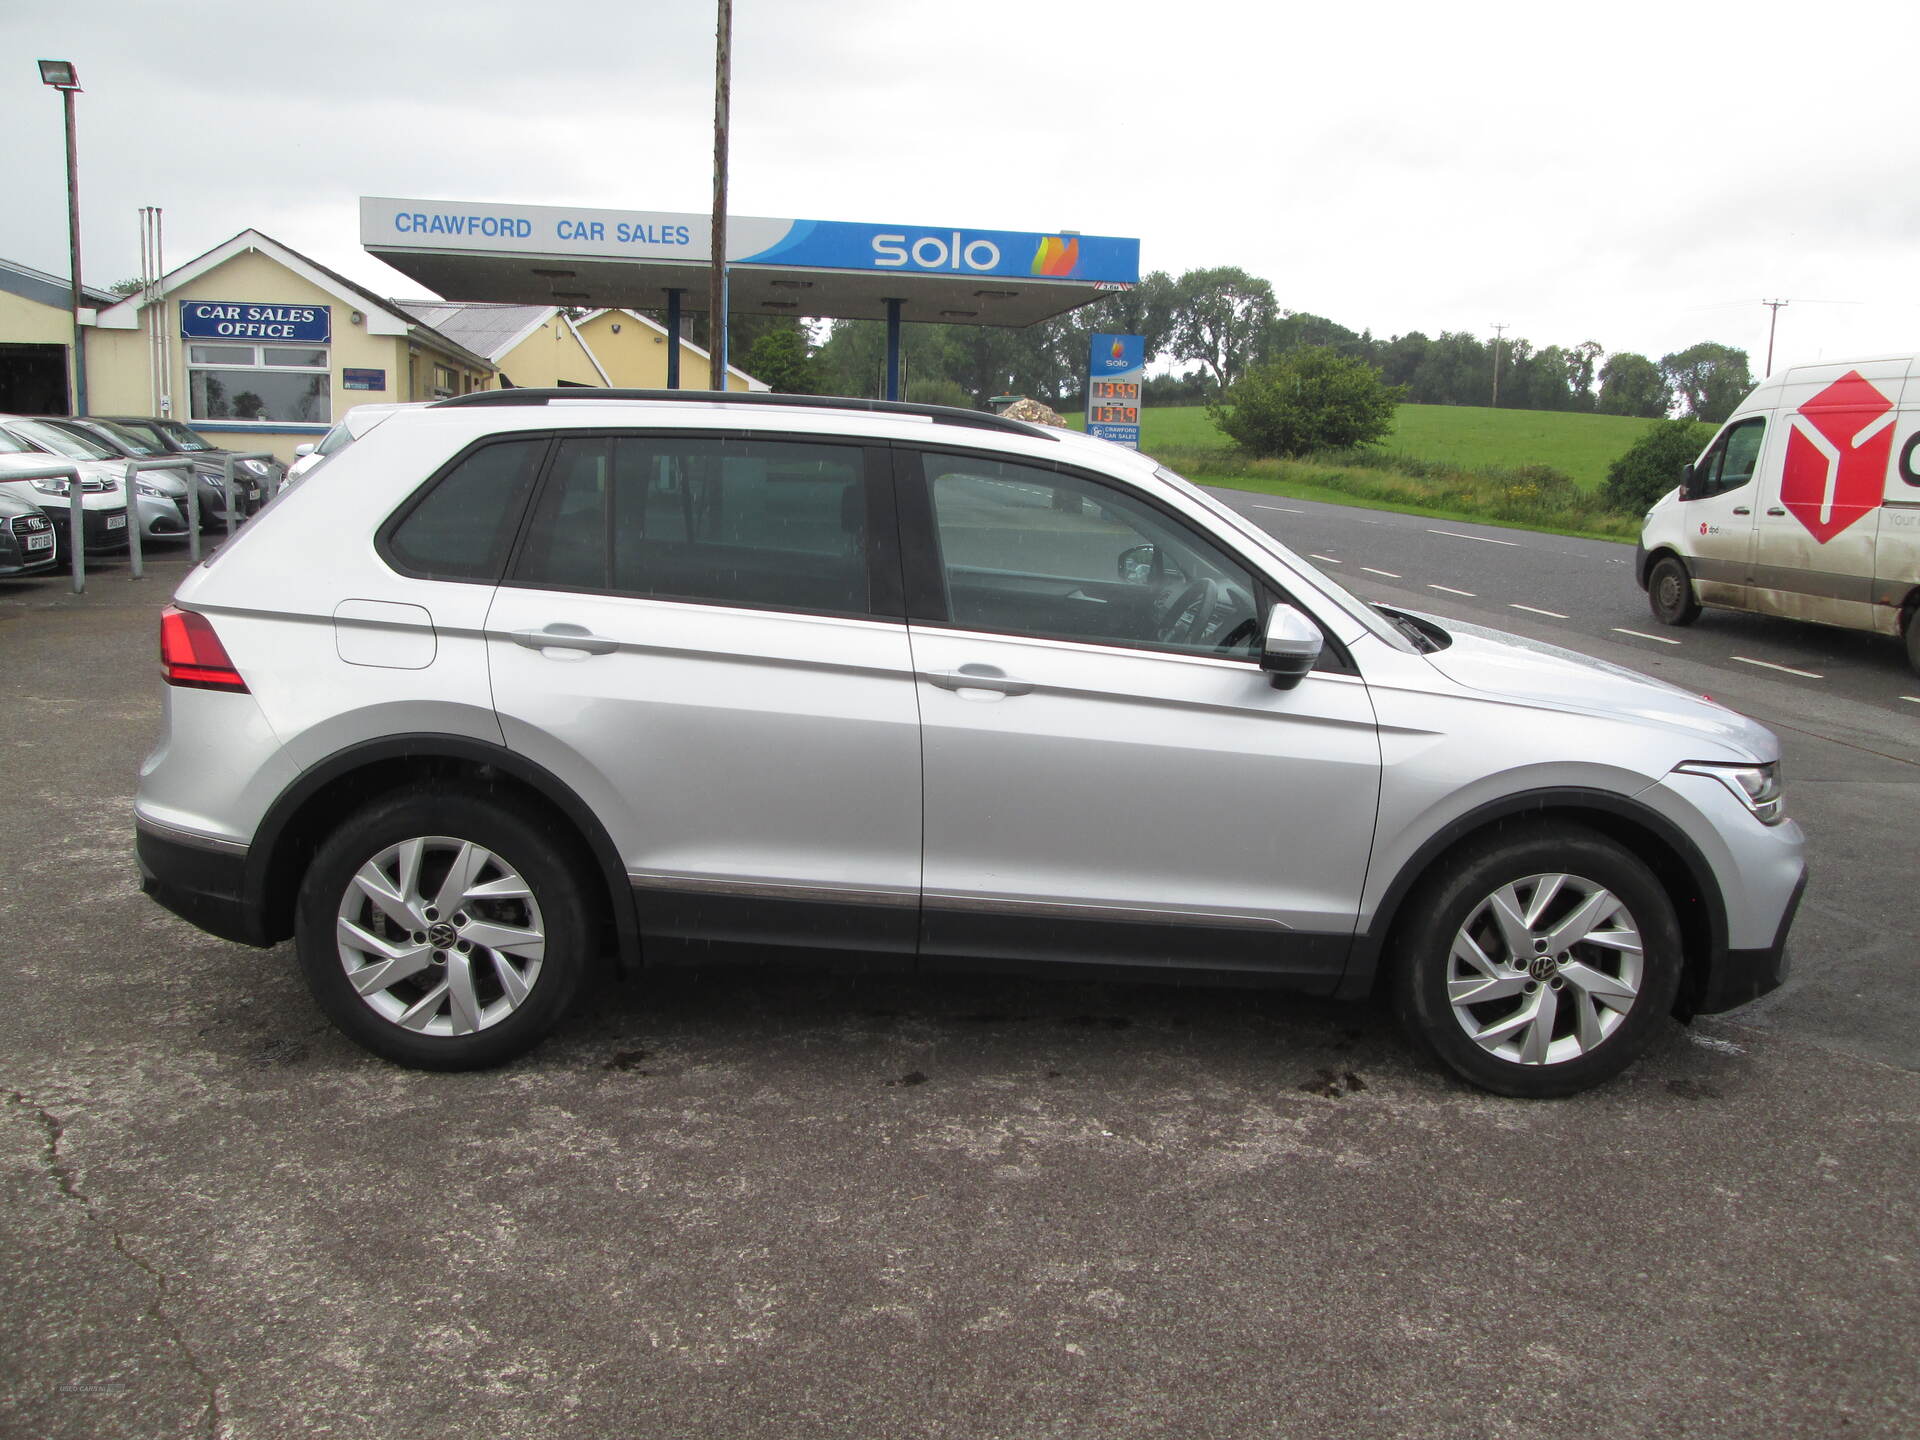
1221, 323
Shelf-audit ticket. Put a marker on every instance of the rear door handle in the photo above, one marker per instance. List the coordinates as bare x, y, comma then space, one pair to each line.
561, 636
979, 677
1741, 510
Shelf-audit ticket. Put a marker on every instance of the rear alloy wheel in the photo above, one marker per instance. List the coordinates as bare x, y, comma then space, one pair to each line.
1541, 964
1670, 593
443, 931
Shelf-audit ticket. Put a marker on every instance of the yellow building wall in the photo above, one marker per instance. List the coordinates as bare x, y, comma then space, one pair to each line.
118, 369
635, 356
28, 322
552, 355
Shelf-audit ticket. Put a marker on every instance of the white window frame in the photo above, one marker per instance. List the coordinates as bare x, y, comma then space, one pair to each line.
259, 363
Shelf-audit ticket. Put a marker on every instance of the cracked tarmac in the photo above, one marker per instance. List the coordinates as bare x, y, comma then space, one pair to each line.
759, 1203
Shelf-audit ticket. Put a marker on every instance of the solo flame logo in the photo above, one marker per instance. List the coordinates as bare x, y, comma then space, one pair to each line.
1837, 451
1056, 255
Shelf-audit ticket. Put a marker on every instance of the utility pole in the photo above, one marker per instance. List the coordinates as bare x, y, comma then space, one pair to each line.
1772, 320
717, 291
61, 75
1498, 331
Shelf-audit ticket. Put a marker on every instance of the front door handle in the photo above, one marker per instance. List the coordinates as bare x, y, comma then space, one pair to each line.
1776, 510
1741, 510
561, 636
979, 677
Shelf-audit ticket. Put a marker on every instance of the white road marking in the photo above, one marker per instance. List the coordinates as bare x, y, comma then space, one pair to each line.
1388, 573
1288, 508
1328, 558
1484, 540
1536, 610
1783, 669
1912, 699
1714, 1042
1450, 590
1642, 635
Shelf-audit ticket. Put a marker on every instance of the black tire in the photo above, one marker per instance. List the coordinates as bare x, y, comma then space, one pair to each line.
1913, 639
1670, 592
517, 992
1463, 890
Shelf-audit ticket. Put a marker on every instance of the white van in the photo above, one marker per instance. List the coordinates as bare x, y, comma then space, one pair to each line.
1806, 504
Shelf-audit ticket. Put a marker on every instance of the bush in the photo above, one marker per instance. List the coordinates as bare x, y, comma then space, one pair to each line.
1651, 466
1307, 400
939, 392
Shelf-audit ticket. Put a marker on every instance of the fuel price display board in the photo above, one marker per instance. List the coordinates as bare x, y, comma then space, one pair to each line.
1116, 371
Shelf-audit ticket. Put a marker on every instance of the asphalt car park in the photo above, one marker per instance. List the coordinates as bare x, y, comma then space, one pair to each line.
766, 1201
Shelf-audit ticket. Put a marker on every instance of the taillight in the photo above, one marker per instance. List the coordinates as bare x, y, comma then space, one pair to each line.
192, 655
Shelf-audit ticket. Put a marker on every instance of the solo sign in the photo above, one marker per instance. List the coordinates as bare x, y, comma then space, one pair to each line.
247, 320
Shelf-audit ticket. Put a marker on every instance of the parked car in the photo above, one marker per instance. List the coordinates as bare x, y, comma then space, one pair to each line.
103, 506
209, 476
536, 673
27, 538
160, 496
1806, 504
179, 438
348, 428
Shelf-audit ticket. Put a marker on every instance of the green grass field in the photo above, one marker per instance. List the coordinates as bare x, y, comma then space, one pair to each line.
1581, 445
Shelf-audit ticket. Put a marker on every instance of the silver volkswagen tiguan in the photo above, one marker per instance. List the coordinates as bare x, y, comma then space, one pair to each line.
537, 678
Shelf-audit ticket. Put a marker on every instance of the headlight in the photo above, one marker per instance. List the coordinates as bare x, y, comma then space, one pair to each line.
148, 488
256, 467
53, 487
1757, 787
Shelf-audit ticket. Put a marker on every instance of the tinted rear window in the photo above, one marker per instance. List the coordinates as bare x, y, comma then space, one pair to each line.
462, 527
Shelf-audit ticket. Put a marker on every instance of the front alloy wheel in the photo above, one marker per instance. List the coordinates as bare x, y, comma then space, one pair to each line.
1545, 969
1538, 961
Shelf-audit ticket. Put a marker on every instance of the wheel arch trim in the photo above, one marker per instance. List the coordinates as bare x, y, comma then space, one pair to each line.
1365, 963
266, 852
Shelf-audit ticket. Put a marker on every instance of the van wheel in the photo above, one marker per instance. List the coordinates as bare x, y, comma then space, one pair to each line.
1670, 592
444, 930
1539, 962
1913, 639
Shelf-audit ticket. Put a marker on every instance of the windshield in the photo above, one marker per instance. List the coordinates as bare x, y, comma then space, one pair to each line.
60, 441
338, 438
119, 435
12, 444
182, 437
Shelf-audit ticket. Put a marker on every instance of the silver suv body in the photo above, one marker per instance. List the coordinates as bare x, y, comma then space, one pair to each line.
535, 677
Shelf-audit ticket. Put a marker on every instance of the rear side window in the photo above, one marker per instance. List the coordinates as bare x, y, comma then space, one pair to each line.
463, 525
764, 524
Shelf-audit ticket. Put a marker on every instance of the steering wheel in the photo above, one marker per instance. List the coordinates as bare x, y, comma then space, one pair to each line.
1192, 613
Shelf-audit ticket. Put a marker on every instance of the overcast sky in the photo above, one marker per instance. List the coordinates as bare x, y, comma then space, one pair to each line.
1641, 175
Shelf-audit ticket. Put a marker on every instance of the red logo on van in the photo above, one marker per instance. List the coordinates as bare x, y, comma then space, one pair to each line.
1838, 445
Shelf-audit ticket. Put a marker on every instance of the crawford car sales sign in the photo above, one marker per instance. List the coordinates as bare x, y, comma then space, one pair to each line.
248, 320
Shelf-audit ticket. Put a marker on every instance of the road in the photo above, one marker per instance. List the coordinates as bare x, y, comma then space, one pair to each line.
780, 1205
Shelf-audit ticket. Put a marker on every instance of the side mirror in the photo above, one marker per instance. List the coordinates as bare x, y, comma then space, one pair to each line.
1136, 564
1686, 481
1290, 648
300, 452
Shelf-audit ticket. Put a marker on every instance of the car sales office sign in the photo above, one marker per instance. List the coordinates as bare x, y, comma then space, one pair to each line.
1116, 370
251, 321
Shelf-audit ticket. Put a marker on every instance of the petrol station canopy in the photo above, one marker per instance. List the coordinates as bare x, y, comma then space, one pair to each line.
559, 255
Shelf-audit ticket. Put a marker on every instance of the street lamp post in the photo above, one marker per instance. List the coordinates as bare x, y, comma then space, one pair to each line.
61, 76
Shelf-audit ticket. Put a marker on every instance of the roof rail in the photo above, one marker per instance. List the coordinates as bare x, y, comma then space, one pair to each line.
939, 414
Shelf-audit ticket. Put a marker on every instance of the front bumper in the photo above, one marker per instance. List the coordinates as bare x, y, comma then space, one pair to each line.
1737, 976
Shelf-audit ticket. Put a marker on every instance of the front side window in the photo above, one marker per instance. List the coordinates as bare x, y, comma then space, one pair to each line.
1732, 460
764, 524
259, 383
1035, 552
